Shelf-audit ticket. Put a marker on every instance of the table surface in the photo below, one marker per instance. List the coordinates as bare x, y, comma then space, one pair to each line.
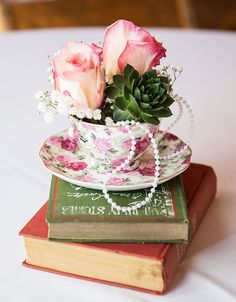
208, 271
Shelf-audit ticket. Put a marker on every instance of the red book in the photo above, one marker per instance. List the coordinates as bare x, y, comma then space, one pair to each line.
146, 267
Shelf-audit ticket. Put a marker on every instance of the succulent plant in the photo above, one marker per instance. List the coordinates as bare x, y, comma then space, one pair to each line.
143, 98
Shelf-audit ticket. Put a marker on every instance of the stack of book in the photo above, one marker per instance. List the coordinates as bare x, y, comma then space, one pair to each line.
77, 233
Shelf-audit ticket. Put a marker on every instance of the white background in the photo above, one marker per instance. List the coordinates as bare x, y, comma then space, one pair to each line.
208, 82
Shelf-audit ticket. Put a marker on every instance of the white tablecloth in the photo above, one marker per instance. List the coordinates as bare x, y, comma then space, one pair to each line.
208, 272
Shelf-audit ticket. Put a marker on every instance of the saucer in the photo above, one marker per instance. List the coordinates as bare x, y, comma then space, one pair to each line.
63, 157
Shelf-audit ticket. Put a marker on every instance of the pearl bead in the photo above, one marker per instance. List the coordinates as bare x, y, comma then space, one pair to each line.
153, 190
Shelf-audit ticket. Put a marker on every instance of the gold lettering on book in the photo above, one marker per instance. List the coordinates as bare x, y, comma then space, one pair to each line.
161, 204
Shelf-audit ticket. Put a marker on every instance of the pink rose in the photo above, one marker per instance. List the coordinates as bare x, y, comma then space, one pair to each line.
116, 181
125, 43
117, 162
55, 140
77, 166
141, 145
102, 144
69, 144
77, 72
147, 168
126, 144
64, 159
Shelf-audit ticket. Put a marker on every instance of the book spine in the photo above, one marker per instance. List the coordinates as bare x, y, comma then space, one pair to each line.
174, 253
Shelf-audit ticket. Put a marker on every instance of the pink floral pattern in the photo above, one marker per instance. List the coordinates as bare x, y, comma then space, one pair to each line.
102, 144
126, 144
64, 159
147, 168
69, 144
55, 140
78, 167
106, 143
142, 145
117, 181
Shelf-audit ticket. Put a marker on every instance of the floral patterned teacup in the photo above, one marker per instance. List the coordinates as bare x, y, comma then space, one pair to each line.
110, 145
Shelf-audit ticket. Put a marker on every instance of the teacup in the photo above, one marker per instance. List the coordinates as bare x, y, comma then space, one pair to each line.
110, 146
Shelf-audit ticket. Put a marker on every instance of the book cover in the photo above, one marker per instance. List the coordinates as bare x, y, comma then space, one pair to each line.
200, 188
81, 214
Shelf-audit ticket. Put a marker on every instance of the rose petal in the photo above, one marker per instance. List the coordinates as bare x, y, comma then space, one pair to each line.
135, 52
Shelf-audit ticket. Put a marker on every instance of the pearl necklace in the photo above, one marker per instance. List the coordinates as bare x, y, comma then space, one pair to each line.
181, 102
156, 175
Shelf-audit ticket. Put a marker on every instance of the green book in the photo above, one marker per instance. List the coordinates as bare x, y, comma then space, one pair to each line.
80, 214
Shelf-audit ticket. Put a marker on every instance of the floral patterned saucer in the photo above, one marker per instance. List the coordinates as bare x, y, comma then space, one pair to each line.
63, 157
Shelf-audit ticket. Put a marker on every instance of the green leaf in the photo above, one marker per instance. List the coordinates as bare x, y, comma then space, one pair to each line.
126, 92
134, 74
150, 74
118, 81
149, 81
168, 101
142, 88
112, 92
164, 112
155, 101
145, 105
161, 91
132, 86
139, 81
119, 115
150, 119
127, 71
164, 79
155, 111
165, 86
133, 107
145, 98
154, 88
137, 94
121, 102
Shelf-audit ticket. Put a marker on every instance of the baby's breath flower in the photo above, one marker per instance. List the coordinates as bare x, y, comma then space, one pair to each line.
49, 117
41, 107
89, 113
50, 79
109, 121
97, 114
39, 95
56, 96
71, 132
80, 114
62, 108
179, 69
72, 111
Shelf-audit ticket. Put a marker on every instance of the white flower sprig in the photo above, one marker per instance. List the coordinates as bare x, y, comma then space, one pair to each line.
63, 104
50, 70
170, 71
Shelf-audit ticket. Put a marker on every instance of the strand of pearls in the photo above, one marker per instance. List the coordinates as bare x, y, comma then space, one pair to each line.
181, 103
132, 149
180, 106
148, 198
